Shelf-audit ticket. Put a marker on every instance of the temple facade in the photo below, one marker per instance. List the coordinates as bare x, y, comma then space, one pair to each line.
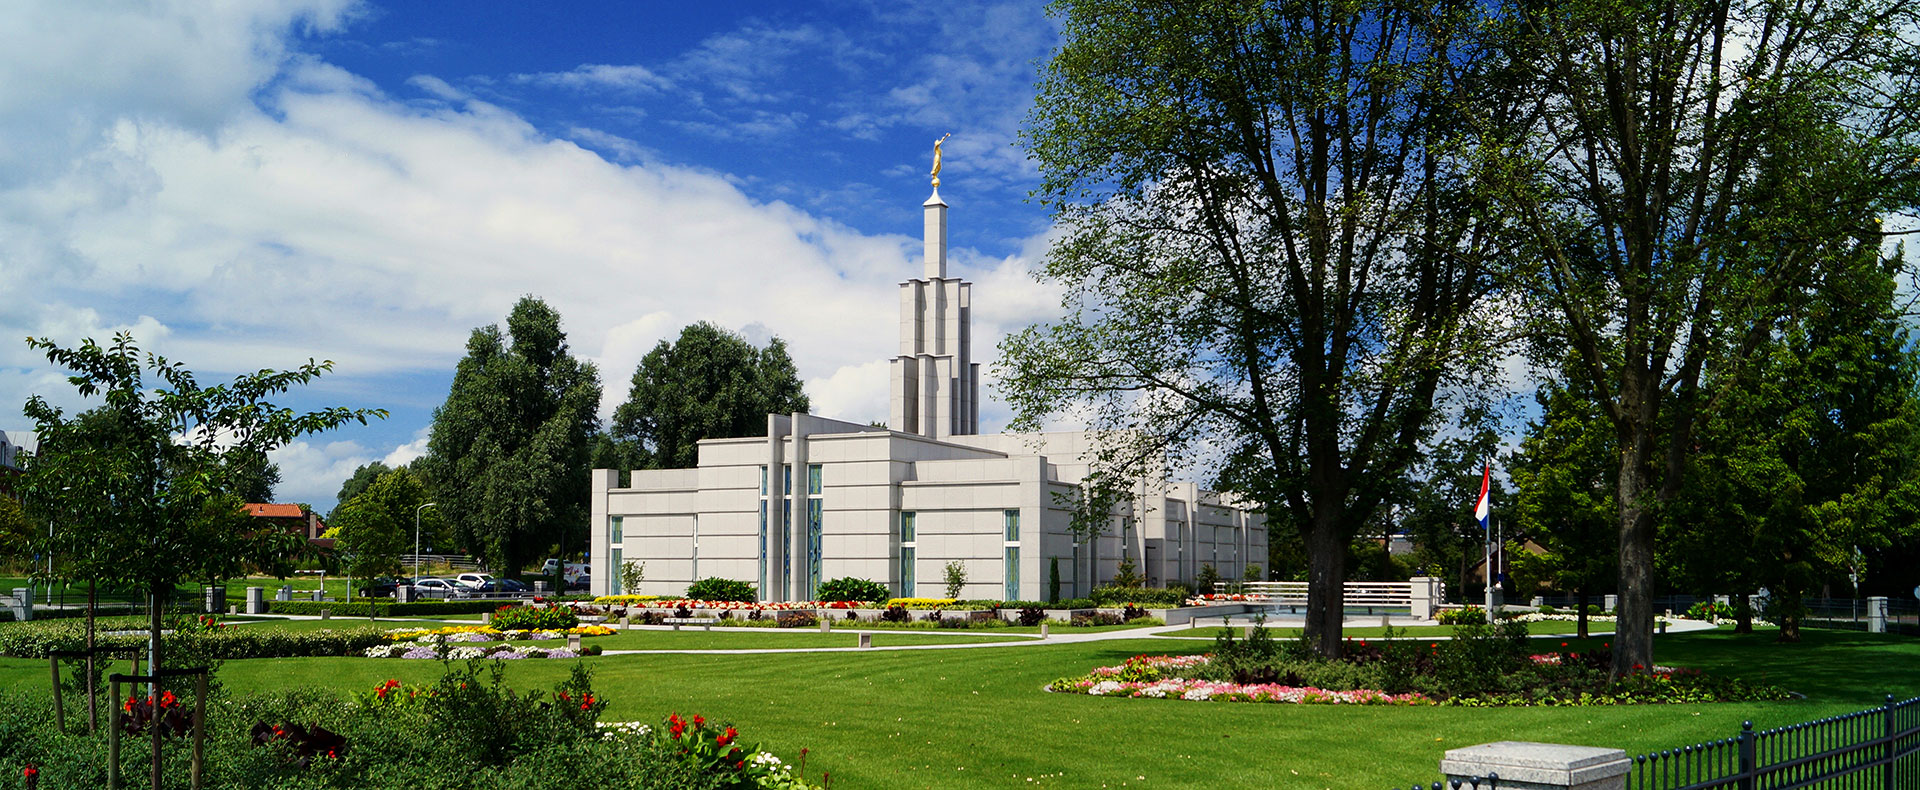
816, 499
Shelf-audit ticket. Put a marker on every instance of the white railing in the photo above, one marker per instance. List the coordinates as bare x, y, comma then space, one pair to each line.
1421, 595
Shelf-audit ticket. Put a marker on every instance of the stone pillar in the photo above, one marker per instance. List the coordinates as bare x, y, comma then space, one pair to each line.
1613, 603
22, 604
1723, 600
539, 588
1522, 765
1536, 602
866, 640
403, 593
216, 600
1877, 614
1425, 596
319, 595
256, 600
285, 593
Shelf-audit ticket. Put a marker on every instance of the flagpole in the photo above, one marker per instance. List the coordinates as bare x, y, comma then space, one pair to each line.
1486, 551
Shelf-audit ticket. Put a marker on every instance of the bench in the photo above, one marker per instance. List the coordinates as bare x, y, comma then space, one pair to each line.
705, 623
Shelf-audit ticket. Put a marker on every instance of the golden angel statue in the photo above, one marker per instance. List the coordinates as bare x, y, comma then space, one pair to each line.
936, 159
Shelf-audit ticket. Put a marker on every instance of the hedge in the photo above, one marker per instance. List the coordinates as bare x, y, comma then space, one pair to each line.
359, 608
33, 640
1142, 596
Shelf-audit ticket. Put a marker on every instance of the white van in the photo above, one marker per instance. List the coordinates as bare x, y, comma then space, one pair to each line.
573, 572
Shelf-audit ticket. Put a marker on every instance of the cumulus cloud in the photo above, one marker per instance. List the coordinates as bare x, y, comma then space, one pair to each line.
279, 208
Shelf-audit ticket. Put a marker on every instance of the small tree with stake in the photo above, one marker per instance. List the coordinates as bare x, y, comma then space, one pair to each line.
145, 477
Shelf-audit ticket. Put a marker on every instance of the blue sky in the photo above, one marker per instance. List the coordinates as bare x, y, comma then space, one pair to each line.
250, 185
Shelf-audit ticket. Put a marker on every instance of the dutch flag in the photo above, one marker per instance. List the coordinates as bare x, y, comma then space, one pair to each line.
1480, 507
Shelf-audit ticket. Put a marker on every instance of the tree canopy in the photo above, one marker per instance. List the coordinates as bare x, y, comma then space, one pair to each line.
141, 486
1267, 246
508, 452
1687, 172
377, 525
708, 384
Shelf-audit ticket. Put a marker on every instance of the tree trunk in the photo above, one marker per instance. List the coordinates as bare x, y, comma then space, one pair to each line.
1633, 626
155, 598
1580, 607
1743, 614
93, 715
1326, 587
1789, 610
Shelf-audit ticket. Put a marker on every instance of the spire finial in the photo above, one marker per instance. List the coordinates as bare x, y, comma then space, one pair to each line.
936, 159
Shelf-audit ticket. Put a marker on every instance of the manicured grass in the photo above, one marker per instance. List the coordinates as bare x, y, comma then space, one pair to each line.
649, 639
1544, 628
978, 717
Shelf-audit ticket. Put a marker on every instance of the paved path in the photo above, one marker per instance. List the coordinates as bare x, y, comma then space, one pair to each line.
1170, 632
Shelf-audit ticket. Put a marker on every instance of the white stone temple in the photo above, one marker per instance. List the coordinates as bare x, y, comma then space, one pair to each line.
817, 499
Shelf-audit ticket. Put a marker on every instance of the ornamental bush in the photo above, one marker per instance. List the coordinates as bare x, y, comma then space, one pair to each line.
1469, 615
851, 589
534, 618
714, 588
1113, 596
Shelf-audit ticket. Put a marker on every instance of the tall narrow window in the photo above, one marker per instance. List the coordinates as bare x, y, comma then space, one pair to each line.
618, 532
763, 481
907, 546
813, 546
813, 479
1011, 545
613, 576
696, 546
763, 549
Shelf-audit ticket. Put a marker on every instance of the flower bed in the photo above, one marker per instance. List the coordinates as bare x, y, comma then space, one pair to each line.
1157, 677
487, 633
1217, 598
501, 652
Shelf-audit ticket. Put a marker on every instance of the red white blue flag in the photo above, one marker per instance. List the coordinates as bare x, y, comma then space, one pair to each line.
1480, 506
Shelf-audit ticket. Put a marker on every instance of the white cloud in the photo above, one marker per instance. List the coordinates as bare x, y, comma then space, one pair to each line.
600, 76
406, 453
290, 210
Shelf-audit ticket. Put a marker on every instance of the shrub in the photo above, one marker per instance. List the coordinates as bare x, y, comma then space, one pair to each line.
1469, 615
534, 618
625, 599
1709, 610
796, 620
1032, 616
1207, 579
1111, 596
851, 589
1132, 613
1548, 609
1127, 574
382, 607
922, 604
717, 589
1075, 603
895, 614
955, 577
1097, 618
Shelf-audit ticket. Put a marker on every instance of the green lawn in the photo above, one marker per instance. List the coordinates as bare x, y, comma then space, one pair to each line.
978, 717
1537, 629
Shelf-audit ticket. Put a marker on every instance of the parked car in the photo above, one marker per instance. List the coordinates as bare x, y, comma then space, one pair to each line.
503, 587
438, 588
473, 580
573, 570
381, 587
580, 583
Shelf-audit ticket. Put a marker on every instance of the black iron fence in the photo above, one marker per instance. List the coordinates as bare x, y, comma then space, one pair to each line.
1903, 614
1488, 782
1874, 748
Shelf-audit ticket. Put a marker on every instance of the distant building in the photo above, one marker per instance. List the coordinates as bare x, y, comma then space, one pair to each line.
10, 449
816, 499
292, 519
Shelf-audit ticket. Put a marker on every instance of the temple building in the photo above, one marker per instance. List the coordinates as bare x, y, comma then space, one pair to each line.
816, 499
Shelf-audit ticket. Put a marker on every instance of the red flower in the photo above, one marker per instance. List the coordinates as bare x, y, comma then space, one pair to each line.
30, 771
739, 765
589, 699
586, 705
699, 721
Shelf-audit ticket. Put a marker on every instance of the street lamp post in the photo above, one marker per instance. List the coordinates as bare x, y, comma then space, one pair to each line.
416, 538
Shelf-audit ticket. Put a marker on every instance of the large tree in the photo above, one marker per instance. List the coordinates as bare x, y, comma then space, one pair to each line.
1688, 170
362, 477
1565, 472
507, 455
1815, 461
377, 525
708, 384
1266, 247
